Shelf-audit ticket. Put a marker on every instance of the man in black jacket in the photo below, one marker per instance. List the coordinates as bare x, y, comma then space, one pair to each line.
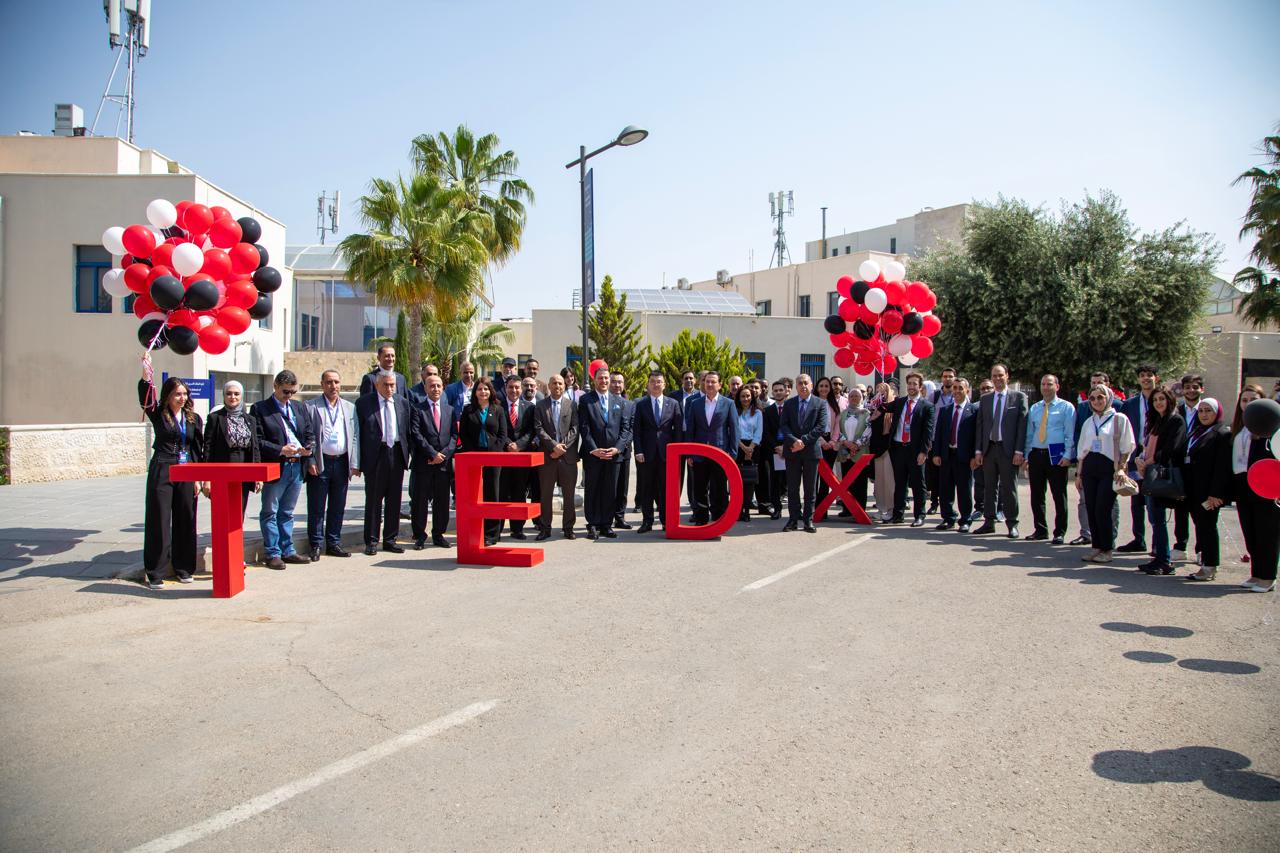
287, 438
913, 423
513, 483
658, 421
387, 423
434, 442
953, 441
606, 432
386, 362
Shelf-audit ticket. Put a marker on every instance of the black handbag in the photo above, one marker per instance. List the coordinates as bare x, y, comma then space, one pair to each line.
1164, 482
750, 473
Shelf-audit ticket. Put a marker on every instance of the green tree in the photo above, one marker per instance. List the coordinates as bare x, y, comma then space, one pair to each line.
614, 335
1067, 294
402, 346
1261, 305
700, 351
448, 343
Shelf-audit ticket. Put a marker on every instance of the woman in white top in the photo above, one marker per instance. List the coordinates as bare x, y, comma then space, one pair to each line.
1101, 436
855, 433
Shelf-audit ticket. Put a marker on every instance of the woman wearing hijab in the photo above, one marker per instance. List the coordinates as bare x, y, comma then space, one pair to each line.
1105, 444
1206, 475
1165, 444
1259, 517
231, 435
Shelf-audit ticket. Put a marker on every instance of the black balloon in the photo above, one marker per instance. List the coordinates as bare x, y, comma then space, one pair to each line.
267, 280
148, 330
863, 330
858, 292
263, 257
201, 295
183, 340
834, 324
1262, 417
250, 230
912, 323
167, 292
261, 309
173, 231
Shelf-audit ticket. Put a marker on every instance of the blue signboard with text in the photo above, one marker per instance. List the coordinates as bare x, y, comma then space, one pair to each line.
201, 389
588, 242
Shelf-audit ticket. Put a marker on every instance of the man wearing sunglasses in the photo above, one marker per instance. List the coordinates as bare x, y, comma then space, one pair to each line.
287, 438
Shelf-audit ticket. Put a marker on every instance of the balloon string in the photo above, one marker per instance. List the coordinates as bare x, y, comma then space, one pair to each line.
149, 374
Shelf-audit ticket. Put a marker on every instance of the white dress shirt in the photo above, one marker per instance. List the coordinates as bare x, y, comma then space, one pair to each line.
387, 405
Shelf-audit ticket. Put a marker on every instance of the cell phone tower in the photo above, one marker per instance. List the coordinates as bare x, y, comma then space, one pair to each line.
781, 204
129, 31
328, 209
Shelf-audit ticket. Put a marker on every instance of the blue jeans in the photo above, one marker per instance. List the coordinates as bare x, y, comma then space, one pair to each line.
1159, 529
324, 525
276, 518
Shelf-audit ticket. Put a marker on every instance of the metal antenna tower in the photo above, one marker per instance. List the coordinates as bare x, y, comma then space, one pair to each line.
129, 35
781, 204
332, 212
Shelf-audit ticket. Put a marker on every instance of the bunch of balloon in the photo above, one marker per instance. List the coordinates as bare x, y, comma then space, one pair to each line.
882, 320
199, 275
1262, 417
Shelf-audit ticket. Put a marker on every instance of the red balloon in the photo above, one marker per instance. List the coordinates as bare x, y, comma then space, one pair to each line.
843, 284
896, 291
932, 325
926, 301
921, 347
848, 310
244, 258
217, 263
214, 339
197, 219
139, 241
889, 364
916, 293
1264, 478
163, 255
241, 294
182, 317
142, 306
135, 277
862, 368
843, 358
879, 282
234, 320
181, 208
868, 316
158, 271
891, 321
225, 232
219, 212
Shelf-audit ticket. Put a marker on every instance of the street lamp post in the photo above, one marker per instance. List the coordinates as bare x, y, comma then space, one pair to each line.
630, 135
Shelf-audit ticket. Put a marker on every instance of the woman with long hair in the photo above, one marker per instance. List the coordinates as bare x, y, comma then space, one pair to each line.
571, 389
170, 521
1259, 517
1164, 445
750, 433
483, 426
231, 434
881, 422
830, 441
1206, 474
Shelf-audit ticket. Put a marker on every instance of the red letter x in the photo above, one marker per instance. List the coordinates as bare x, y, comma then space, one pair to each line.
840, 489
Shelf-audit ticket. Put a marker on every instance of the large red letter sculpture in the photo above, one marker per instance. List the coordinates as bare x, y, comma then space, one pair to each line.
225, 481
473, 509
676, 451
840, 489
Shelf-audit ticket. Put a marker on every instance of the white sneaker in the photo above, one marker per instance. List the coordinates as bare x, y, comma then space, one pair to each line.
1262, 586
1177, 556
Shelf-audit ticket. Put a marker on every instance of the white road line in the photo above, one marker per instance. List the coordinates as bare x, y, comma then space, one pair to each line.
814, 560
271, 799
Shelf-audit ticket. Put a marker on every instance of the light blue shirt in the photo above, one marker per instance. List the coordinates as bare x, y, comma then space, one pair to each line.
751, 427
1059, 430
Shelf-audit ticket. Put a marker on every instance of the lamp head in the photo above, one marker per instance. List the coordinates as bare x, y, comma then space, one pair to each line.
631, 134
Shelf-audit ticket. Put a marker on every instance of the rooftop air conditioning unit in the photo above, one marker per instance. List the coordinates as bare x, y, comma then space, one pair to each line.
682, 284
723, 278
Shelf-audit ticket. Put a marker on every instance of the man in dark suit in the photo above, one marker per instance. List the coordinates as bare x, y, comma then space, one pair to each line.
804, 420
1136, 409
1192, 394
658, 422
688, 387
618, 388
287, 438
777, 448
513, 483
909, 449
387, 424
941, 396
556, 422
710, 419
999, 449
605, 432
418, 393
434, 442
387, 362
952, 453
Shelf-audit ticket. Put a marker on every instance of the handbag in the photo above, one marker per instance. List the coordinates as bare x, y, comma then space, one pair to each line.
1164, 482
1123, 484
750, 473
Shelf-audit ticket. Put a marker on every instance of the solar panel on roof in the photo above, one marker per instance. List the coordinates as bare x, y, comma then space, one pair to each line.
688, 301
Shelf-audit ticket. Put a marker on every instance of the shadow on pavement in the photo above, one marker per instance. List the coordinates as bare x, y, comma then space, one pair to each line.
1168, 631
128, 588
1226, 667
1220, 770
1150, 657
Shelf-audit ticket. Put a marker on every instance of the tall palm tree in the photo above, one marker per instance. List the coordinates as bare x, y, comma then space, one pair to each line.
424, 249
1261, 305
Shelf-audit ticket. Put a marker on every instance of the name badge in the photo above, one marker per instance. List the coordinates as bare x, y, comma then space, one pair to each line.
1097, 445
331, 440
182, 457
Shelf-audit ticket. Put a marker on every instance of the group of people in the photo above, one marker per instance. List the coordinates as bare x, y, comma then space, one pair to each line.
958, 453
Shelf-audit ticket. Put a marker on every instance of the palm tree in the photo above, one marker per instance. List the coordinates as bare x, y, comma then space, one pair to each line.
1261, 305
425, 249
449, 342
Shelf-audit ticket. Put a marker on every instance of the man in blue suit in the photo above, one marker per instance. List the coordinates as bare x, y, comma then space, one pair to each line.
953, 443
658, 422
434, 442
458, 394
804, 420
710, 419
1136, 409
605, 428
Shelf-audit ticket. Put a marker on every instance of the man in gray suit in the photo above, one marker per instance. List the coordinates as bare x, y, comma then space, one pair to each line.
1000, 443
555, 420
329, 471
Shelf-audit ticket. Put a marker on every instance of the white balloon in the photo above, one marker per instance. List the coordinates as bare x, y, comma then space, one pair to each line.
154, 315
162, 214
876, 299
112, 240
113, 283
894, 271
203, 322
908, 360
187, 259
869, 270
899, 345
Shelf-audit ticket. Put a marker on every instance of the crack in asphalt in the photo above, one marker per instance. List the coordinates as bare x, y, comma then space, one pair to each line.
320, 681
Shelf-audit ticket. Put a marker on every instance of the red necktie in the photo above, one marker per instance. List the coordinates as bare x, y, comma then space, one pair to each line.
906, 422
513, 414
435, 415
955, 427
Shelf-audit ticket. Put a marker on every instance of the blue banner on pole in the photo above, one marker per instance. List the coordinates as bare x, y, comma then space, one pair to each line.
589, 242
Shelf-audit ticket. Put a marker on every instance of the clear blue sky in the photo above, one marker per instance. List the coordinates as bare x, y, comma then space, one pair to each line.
874, 113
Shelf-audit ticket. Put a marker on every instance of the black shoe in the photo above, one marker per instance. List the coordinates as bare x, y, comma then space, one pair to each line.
608, 533
441, 542
420, 544
392, 547
776, 514
620, 523
569, 534
645, 527
371, 550
918, 521
1013, 531
933, 507
591, 532
1037, 537
490, 541
315, 553
1157, 567
337, 551
946, 525
1133, 547
788, 527
543, 536
518, 534
295, 559
809, 528
153, 583
1057, 540
745, 517
1082, 540
897, 519
987, 527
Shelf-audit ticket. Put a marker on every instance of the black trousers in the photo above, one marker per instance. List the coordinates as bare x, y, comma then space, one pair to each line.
1181, 529
327, 501
651, 488
906, 472
802, 472
514, 487
383, 482
777, 486
955, 486
1138, 514
1000, 479
1206, 521
429, 487
764, 485
1097, 473
624, 484
708, 490
859, 488
600, 492
1054, 477
932, 481
828, 456
1260, 524
169, 524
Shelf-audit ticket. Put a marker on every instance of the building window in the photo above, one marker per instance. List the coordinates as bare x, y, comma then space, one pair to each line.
893, 245
833, 302
764, 308
368, 336
814, 364
308, 331
848, 249
573, 361
802, 310
755, 363
92, 263
265, 322
835, 251
521, 359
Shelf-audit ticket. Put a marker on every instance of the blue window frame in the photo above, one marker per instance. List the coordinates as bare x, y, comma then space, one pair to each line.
92, 263
755, 363
833, 302
814, 364
803, 309
573, 360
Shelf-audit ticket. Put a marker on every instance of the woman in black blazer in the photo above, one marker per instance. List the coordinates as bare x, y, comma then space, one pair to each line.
231, 434
1206, 473
482, 426
1164, 444
881, 422
170, 520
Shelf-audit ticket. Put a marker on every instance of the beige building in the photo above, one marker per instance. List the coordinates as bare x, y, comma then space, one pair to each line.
1234, 353
910, 235
69, 353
